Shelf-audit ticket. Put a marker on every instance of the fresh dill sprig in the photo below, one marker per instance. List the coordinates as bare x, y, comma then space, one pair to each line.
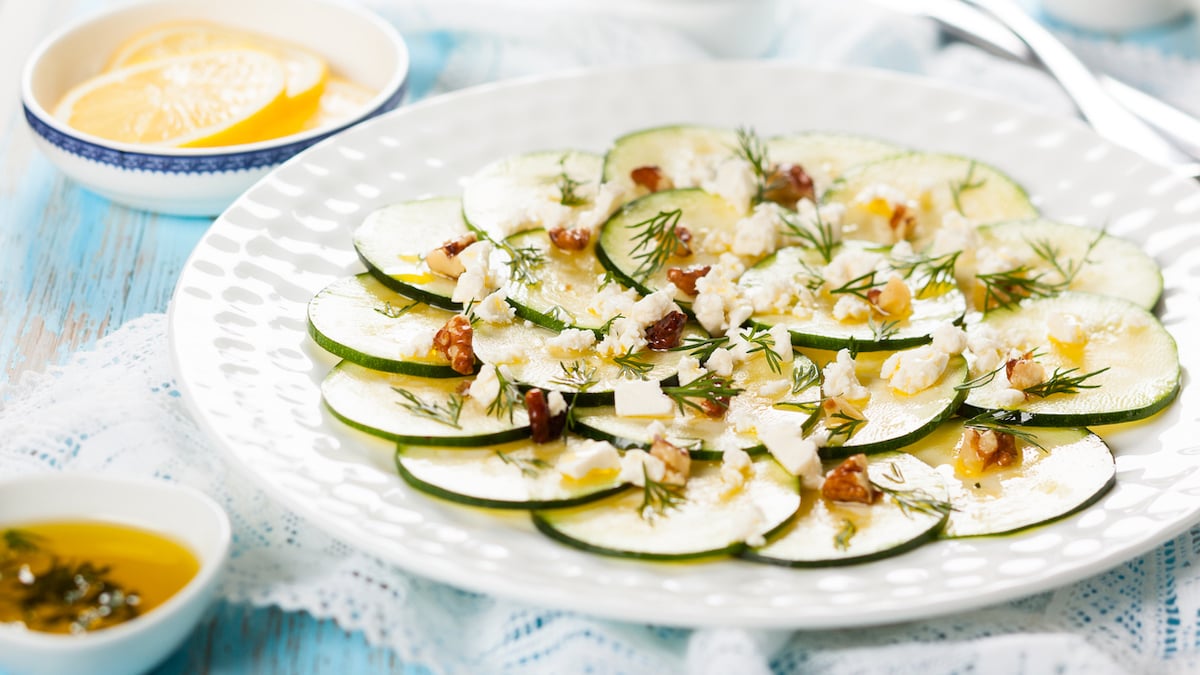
469, 312
607, 278
524, 262
804, 376
764, 343
393, 312
1063, 382
633, 366
560, 313
916, 501
530, 466
567, 186
858, 286
894, 474
658, 497
845, 428
1008, 287
505, 403
446, 414
965, 185
1005, 422
576, 375
656, 242
606, 327
701, 348
1069, 269
820, 237
936, 271
21, 541
806, 407
708, 387
981, 380
841, 540
750, 147
884, 330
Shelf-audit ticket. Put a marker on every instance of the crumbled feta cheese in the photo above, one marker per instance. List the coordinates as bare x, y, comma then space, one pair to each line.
570, 342
718, 305
689, 369
735, 182
813, 219
486, 387
715, 242
739, 311
781, 342
655, 306
796, 454
556, 403
986, 353
741, 416
739, 347
1009, 398
773, 388
709, 309
1065, 329
774, 296
757, 234
415, 342
914, 370
687, 169
850, 264
736, 467
611, 301
607, 199
477, 280
901, 250
956, 234
494, 309
624, 336
851, 307
720, 362
949, 338
641, 398
637, 465
882, 197
656, 429
840, 379
585, 456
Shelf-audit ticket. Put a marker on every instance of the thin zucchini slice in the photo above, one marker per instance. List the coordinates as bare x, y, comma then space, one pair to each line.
937, 184
1105, 264
368, 400
769, 398
1129, 363
1074, 470
827, 533
567, 282
623, 253
393, 240
935, 300
895, 419
586, 377
825, 157
533, 190
665, 147
706, 520
517, 475
361, 320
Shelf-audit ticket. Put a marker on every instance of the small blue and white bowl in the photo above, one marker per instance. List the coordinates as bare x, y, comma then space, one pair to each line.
201, 181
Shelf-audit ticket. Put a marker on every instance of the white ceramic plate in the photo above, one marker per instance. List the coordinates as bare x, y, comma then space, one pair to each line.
251, 374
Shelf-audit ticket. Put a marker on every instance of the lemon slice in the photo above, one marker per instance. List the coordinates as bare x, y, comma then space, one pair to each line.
307, 73
200, 100
341, 100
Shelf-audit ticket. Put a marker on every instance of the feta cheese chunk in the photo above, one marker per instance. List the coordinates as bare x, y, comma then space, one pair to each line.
720, 362
949, 339
735, 182
641, 398
736, 468
477, 279
796, 454
840, 379
781, 343
638, 464
556, 403
486, 386
689, 369
914, 370
654, 306
415, 343
757, 235
587, 456
494, 309
570, 342
1065, 330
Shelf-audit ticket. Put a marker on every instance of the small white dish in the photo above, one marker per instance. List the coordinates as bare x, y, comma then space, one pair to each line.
182, 513
1115, 16
201, 181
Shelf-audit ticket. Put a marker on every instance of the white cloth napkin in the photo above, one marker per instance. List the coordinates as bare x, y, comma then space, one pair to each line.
117, 409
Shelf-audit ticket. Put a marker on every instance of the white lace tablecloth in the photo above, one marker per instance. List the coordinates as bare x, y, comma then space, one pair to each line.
117, 409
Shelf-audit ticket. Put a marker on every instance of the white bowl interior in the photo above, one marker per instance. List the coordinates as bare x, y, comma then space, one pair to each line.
356, 44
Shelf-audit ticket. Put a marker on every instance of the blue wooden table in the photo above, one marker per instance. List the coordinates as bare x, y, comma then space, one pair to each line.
74, 267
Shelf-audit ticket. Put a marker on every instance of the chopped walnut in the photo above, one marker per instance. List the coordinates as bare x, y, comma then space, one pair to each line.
453, 341
570, 240
715, 409
444, 260
837, 409
894, 299
543, 426
684, 248
787, 184
903, 223
677, 461
685, 278
652, 178
665, 333
848, 482
979, 450
1024, 372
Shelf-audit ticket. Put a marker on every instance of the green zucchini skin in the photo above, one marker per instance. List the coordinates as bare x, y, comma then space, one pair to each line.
393, 240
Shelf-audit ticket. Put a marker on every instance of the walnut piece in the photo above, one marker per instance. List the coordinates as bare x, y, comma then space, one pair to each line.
838, 411
684, 248
894, 299
787, 184
685, 278
652, 178
444, 260
848, 482
570, 240
665, 333
677, 461
543, 426
978, 450
453, 341
1024, 372
903, 223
